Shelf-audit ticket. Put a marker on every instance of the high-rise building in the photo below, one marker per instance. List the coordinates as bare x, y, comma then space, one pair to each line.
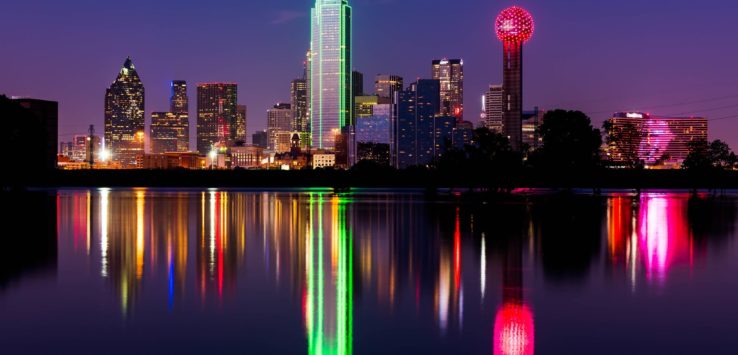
260, 139
357, 80
514, 27
492, 108
532, 121
279, 119
124, 116
299, 102
331, 96
450, 73
179, 102
35, 127
375, 127
385, 86
179, 105
654, 141
414, 126
241, 123
216, 115
166, 132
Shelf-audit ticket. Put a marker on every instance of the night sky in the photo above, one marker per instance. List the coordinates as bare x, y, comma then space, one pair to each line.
672, 57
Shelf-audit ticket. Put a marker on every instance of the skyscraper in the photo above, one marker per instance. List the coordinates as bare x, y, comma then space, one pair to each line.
413, 126
165, 132
450, 73
260, 139
331, 86
179, 102
242, 119
385, 86
492, 108
299, 103
357, 80
179, 105
279, 120
216, 115
124, 116
514, 27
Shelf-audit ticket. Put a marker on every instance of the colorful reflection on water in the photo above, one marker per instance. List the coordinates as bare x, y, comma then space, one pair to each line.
321, 273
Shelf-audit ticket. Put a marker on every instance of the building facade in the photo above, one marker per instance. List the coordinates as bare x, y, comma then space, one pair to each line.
413, 123
386, 85
217, 113
658, 142
124, 116
165, 132
450, 74
260, 139
279, 120
492, 116
299, 103
331, 96
242, 121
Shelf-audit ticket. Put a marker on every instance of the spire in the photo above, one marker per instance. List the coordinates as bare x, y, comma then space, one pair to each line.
129, 64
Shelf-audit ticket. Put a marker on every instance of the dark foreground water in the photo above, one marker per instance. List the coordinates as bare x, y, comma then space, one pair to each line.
154, 271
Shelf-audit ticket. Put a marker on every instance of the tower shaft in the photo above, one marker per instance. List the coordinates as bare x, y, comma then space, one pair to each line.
512, 111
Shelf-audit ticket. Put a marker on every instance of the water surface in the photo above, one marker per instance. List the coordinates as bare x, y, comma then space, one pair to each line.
311, 272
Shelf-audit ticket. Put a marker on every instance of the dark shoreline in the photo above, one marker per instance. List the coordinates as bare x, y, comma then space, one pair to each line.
419, 179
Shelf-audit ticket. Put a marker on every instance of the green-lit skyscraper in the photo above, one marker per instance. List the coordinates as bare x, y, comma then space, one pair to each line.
331, 96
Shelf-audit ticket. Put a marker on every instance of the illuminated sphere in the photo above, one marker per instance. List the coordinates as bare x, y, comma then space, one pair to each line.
514, 24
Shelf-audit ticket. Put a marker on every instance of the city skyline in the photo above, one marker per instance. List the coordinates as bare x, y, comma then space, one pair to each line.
571, 56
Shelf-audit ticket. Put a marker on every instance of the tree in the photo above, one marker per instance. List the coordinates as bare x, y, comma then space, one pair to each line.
489, 150
708, 156
623, 141
569, 142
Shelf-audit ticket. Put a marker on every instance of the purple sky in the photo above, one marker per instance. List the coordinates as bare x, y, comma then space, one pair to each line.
672, 57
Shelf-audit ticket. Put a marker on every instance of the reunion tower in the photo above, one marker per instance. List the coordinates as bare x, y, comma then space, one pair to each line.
514, 27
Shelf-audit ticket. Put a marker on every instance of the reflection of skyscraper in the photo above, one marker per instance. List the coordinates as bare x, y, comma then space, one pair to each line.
330, 71
124, 116
216, 115
329, 278
450, 74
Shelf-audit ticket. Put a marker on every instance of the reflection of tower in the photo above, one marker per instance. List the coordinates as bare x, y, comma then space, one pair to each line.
329, 285
514, 27
514, 332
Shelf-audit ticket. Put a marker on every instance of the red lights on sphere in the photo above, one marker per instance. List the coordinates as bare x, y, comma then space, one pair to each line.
514, 24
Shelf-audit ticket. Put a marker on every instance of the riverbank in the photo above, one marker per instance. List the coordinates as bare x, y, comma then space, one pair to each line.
602, 179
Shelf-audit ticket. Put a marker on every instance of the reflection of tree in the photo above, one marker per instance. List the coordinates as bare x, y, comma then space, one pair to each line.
711, 219
570, 229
